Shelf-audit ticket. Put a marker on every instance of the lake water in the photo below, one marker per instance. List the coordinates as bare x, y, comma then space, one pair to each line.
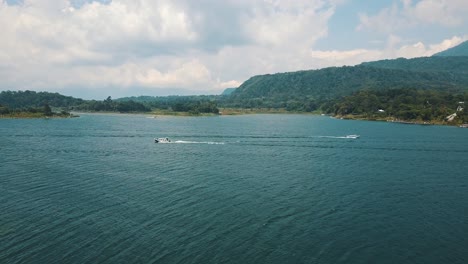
231, 189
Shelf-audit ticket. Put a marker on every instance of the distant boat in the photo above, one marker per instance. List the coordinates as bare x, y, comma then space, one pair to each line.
162, 140
352, 136
464, 126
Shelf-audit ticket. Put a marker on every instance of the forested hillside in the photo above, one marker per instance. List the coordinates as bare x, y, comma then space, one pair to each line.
330, 83
228, 91
32, 99
425, 88
405, 104
109, 105
460, 50
455, 65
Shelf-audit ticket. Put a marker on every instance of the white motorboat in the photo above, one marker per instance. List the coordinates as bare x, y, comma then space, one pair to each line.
162, 140
352, 136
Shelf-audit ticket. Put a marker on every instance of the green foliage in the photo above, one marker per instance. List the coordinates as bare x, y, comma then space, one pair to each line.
31, 112
228, 91
332, 82
4, 110
458, 66
421, 89
406, 104
191, 104
42, 102
315, 89
108, 105
47, 111
21, 100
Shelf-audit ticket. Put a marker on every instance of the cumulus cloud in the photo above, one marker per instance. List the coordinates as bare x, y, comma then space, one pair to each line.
346, 57
386, 20
394, 49
419, 49
152, 43
409, 13
272, 23
157, 45
445, 12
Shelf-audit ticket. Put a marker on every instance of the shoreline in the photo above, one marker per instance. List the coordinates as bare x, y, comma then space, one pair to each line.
401, 121
239, 111
35, 116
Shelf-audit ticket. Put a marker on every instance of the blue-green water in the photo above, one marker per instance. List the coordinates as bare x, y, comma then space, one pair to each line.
234, 189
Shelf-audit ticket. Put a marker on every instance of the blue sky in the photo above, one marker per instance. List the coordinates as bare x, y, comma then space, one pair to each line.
92, 49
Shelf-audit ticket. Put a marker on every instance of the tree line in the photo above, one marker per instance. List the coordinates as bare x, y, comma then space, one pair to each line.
405, 104
35, 102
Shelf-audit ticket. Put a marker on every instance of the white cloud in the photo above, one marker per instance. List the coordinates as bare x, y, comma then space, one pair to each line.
276, 23
408, 13
419, 49
393, 50
387, 20
154, 45
347, 57
445, 12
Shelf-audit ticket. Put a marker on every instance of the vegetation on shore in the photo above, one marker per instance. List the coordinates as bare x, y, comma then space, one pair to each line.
411, 105
178, 105
33, 112
407, 105
29, 103
309, 89
421, 90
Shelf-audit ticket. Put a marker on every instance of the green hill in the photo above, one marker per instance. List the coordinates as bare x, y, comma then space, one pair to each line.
28, 99
460, 50
228, 91
456, 65
424, 73
316, 89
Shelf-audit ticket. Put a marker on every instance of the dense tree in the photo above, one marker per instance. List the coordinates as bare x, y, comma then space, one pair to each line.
47, 110
4, 110
109, 105
421, 88
24, 99
191, 104
448, 74
406, 104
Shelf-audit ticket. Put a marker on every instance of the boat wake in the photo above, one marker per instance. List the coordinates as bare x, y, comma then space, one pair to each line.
198, 142
168, 141
341, 137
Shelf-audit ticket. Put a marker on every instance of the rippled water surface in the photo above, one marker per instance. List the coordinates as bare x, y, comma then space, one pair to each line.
231, 189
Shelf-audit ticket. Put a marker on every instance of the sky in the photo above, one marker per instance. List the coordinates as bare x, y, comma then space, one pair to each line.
93, 49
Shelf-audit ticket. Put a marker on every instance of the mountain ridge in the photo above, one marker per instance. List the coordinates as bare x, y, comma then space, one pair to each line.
459, 50
421, 73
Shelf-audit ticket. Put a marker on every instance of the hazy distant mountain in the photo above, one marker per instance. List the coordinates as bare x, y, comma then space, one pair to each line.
228, 91
460, 50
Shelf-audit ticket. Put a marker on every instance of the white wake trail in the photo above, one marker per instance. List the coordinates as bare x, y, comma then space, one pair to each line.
198, 142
